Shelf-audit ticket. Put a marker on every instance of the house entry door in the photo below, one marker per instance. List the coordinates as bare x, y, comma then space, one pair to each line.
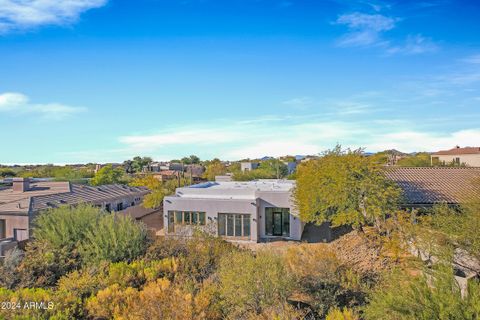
277, 223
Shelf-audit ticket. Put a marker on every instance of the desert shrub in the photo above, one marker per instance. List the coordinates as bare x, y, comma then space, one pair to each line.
165, 247
251, 284
66, 227
20, 300
114, 238
137, 273
344, 314
204, 253
434, 294
321, 276
43, 265
157, 300
8, 268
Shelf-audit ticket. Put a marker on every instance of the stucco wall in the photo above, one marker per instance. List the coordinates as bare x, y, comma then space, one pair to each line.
14, 222
472, 160
212, 207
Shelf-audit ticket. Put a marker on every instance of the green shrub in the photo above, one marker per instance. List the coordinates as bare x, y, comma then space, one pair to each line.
435, 294
115, 238
253, 284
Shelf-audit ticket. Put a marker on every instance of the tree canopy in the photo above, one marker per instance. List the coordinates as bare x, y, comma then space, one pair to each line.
214, 168
108, 175
344, 187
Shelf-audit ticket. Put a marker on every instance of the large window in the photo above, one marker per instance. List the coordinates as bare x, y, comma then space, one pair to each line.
277, 222
3, 229
234, 225
187, 217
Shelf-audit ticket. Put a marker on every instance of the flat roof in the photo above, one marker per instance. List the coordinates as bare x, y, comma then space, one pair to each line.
234, 189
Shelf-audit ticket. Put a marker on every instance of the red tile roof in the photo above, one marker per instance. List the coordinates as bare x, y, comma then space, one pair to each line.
455, 151
425, 185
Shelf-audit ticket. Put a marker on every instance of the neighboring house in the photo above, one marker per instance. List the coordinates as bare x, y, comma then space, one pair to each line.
248, 166
152, 218
166, 175
20, 203
468, 156
250, 211
157, 167
426, 186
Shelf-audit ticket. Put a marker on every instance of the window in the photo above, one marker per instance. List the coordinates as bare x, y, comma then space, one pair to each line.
457, 161
234, 225
188, 217
108, 207
132, 204
119, 206
3, 229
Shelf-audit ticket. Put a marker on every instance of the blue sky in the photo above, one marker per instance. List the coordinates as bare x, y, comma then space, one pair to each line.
101, 81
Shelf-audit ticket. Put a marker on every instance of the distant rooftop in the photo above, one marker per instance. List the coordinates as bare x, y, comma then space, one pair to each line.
50, 194
458, 150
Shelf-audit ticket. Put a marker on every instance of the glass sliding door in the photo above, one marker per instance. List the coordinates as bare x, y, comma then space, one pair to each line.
235, 225
277, 222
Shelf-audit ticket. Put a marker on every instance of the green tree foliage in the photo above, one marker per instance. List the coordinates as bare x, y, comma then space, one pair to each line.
158, 191
434, 294
214, 168
421, 159
138, 163
344, 187
7, 172
59, 173
253, 284
268, 169
108, 175
458, 226
114, 238
274, 167
193, 159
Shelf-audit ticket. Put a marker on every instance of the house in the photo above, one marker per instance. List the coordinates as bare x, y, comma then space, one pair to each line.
250, 211
468, 156
21, 202
166, 175
426, 186
248, 166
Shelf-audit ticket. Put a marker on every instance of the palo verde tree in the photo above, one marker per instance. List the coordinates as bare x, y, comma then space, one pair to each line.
346, 188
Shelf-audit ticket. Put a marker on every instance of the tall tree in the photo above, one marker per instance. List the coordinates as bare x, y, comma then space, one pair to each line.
108, 175
344, 187
215, 168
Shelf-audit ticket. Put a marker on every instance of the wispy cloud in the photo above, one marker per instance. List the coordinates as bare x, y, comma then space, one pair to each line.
364, 29
26, 14
17, 103
299, 102
369, 30
414, 44
310, 135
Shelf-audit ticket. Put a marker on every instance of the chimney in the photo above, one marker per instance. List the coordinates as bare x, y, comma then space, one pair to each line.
21, 184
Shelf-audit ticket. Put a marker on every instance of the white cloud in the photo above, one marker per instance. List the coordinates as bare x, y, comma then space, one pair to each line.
237, 140
26, 14
17, 103
414, 44
365, 29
